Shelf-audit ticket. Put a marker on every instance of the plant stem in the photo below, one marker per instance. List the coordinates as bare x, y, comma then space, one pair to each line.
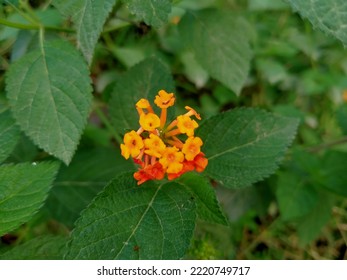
33, 26
108, 125
19, 25
325, 146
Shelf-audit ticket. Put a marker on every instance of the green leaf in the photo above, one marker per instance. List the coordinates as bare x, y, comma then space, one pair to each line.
208, 207
333, 175
310, 225
144, 80
152, 12
49, 100
327, 15
220, 41
296, 197
40, 248
10, 2
237, 202
89, 18
245, 145
9, 134
23, 190
77, 184
264, 5
125, 221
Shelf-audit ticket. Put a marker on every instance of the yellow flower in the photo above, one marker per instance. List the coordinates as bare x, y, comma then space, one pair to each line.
172, 159
149, 121
186, 125
133, 144
344, 95
154, 146
158, 148
192, 112
191, 148
143, 104
164, 99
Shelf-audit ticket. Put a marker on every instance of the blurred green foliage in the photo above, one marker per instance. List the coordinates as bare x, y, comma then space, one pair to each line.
295, 71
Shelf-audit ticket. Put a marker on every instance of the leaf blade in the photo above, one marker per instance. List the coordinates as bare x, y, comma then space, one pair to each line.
50, 110
150, 222
327, 15
154, 13
18, 202
88, 17
223, 52
40, 248
245, 145
9, 135
77, 184
208, 207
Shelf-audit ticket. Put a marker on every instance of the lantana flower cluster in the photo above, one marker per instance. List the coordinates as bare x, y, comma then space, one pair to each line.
164, 149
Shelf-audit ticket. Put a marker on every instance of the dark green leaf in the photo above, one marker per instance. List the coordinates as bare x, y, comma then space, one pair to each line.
296, 197
126, 221
208, 207
334, 175
327, 15
144, 80
237, 202
220, 41
311, 224
9, 134
23, 190
152, 12
77, 184
244, 146
49, 100
89, 18
40, 248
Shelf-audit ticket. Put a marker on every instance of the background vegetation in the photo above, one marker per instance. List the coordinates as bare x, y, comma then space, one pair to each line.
272, 58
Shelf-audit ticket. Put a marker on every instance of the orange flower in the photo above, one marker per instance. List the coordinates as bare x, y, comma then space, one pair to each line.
150, 172
186, 125
200, 162
160, 149
143, 104
149, 122
192, 147
154, 146
133, 144
164, 99
172, 160
187, 166
344, 95
192, 112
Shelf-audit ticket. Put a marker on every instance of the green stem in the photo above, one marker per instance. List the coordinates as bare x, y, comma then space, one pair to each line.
18, 25
33, 26
108, 125
325, 146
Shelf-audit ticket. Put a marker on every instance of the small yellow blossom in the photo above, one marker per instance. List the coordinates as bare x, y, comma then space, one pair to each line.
186, 125
344, 95
164, 99
159, 148
192, 112
149, 122
172, 160
191, 148
154, 146
143, 104
133, 144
